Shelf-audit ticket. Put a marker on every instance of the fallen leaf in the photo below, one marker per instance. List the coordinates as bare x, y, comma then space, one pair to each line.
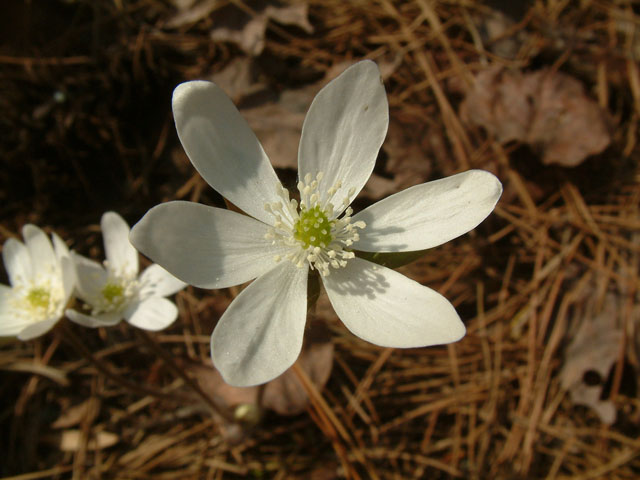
70, 441
72, 416
190, 12
248, 30
278, 126
547, 110
225, 395
594, 349
285, 395
239, 79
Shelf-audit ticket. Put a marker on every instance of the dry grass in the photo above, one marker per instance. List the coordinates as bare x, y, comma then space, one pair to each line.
490, 406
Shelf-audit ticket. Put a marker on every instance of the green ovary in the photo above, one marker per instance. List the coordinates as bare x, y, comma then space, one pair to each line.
313, 228
112, 292
38, 297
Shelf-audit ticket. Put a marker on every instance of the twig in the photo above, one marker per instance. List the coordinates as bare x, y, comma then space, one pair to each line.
67, 334
168, 360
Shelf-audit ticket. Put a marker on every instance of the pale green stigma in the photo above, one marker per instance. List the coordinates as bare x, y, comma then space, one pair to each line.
112, 292
38, 297
311, 231
313, 228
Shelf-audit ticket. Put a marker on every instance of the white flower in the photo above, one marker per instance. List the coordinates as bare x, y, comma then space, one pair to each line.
260, 334
42, 280
115, 291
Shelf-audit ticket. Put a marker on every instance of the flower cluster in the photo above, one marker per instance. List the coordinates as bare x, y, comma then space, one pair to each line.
281, 239
45, 277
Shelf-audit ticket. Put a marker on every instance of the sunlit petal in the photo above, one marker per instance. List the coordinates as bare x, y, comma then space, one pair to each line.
223, 148
388, 309
344, 129
205, 246
429, 214
260, 334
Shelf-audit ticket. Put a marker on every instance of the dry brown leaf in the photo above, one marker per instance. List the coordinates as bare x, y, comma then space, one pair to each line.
238, 79
246, 27
285, 395
595, 348
190, 12
71, 441
278, 125
72, 416
231, 24
546, 109
223, 394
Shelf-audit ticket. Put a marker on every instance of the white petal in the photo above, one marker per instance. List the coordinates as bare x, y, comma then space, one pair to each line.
260, 334
9, 327
388, 309
429, 214
155, 313
157, 282
344, 129
91, 277
10, 324
122, 257
67, 265
43, 258
94, 321
17, 262
223, 148
205, 246
37, 329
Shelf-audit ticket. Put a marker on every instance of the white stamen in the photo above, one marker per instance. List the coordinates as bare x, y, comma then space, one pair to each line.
288, 226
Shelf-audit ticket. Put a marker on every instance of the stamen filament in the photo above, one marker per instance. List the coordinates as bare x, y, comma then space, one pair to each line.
318, 239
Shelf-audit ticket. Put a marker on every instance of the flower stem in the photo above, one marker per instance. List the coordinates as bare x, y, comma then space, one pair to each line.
168, 360
67, 334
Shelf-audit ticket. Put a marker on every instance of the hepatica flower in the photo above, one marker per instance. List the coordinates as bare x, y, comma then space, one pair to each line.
116, 291
280, 238
42, 280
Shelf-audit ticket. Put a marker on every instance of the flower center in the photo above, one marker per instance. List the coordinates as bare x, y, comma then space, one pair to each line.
114, 296
311, 230
38, 298
112, 292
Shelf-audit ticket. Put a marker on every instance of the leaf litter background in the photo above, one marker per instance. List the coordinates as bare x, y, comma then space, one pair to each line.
545, 94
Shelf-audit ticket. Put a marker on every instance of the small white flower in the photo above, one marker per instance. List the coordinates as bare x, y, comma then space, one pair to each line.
42, 280
260, 334
115, 291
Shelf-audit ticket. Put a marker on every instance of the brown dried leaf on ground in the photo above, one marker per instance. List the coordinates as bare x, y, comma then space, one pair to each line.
285, 395
190, 12
595, 348
72, 416
72, 440
248, 29
223, 394
546, 109
278, 124
239, 79
246, 26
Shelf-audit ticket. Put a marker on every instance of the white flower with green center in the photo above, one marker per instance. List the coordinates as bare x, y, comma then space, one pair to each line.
280, 239
115, 291
42, 280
